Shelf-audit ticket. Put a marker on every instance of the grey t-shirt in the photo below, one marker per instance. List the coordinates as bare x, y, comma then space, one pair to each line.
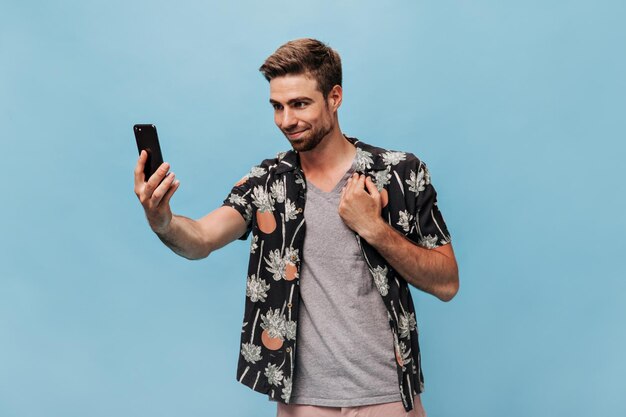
345, 355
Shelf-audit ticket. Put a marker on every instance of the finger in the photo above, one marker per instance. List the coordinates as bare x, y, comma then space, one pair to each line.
346, 187
161, 190
351, 181
156, 178
168, 195
141, 163
343, 193
371, 187
361, 182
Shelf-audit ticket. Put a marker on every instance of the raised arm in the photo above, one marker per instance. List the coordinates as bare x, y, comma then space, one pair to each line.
192, 239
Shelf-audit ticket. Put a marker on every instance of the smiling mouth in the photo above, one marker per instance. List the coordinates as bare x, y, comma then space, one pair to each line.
296, 135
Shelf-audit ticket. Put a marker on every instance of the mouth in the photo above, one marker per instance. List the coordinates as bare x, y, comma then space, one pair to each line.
296, 135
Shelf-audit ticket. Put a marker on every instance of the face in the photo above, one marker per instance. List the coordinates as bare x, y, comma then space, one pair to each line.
300, 111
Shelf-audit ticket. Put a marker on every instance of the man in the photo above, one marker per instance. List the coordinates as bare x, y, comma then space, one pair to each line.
372, 227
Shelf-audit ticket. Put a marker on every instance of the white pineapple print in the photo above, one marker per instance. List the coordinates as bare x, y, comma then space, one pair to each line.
381, 178
262, 199
393, 158
273, 374
237, 199
290, 330
257, 172
286, 389
363, 159
274, 323
290, 210
253, 244
416, 181
277, 190
429, 242
276, 265
256, 288
380, 279
405, 219
407, 324
250, 352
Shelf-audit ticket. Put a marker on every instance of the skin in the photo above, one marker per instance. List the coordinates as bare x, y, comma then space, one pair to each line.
310, 123
300, 107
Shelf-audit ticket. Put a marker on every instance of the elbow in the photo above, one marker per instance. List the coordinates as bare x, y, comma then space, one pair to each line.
206, 249
198, 254
200, 250
194, 257
449, 291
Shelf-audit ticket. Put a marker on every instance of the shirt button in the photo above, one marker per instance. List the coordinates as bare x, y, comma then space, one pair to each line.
289, 305
288, 350
299, 209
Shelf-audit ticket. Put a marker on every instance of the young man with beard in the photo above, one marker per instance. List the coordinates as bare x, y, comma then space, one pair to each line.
339, 229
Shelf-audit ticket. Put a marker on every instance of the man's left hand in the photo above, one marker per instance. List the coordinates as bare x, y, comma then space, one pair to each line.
360, 209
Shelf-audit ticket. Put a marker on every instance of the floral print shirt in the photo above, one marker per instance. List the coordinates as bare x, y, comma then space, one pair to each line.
271, 199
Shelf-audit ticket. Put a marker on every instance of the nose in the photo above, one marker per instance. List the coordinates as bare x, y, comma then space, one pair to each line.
288, 120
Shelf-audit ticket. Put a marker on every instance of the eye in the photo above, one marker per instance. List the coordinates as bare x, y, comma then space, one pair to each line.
276, 106
299, 104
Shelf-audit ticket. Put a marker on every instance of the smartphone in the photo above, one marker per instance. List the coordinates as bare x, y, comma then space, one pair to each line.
148, 140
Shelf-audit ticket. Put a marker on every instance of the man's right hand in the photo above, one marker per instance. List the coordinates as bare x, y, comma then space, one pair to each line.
192, 239
155, 194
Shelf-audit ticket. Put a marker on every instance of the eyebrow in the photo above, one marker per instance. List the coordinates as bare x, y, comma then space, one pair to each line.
293, 100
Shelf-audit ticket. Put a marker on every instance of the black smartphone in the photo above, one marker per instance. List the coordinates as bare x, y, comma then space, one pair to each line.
148, 140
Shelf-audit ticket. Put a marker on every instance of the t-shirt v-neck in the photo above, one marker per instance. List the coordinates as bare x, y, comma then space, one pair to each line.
340, 306
337, 188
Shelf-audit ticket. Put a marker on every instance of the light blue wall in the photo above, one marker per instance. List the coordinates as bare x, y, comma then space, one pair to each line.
517, 107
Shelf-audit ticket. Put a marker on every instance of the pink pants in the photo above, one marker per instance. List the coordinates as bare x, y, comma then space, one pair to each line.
395, 409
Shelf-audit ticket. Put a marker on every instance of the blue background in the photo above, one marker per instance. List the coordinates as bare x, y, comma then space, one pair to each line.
517, 107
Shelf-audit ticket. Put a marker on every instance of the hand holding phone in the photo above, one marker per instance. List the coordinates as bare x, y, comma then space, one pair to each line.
148, 140
154, 184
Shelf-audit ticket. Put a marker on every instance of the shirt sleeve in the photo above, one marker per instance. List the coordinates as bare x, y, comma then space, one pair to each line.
430, 230
240, 198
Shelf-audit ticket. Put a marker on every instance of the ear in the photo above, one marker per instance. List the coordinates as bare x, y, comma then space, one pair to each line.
335, 97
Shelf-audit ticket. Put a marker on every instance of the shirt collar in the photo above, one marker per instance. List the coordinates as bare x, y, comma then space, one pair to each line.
290, 160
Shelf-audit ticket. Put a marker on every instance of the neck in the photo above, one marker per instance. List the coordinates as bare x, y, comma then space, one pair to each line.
333, 152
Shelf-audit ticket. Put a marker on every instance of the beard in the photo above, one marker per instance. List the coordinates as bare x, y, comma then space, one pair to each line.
310, 139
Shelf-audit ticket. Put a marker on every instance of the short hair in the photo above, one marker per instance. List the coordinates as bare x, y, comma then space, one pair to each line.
305, 56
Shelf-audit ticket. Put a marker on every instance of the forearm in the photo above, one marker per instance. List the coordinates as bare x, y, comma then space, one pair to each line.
184, 236
425, 269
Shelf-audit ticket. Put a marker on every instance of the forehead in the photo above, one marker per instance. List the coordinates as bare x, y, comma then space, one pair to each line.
286, 87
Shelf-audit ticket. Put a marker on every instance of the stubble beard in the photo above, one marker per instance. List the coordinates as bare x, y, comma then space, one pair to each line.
310, 141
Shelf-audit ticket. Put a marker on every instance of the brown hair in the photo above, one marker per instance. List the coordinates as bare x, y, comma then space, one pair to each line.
305, 56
